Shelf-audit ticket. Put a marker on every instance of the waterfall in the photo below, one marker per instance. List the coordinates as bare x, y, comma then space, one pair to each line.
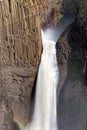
45, 111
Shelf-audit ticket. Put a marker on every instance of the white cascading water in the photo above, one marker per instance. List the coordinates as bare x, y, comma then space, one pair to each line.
45, 111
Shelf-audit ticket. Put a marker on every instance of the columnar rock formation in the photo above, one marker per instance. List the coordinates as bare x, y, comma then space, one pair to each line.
20, 34
20, 50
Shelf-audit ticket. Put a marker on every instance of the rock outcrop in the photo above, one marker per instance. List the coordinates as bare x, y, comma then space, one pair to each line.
72, 90
72, 59
6, 117
20, 51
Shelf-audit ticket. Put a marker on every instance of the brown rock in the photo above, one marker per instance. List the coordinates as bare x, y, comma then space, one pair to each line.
20, 51
6, 117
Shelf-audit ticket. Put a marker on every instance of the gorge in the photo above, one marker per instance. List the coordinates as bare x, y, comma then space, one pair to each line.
20, 54
45, 109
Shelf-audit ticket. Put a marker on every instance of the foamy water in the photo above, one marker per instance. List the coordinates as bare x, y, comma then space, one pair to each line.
45, 111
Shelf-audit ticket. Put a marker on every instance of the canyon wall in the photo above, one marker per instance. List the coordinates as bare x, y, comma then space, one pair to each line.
21, 47
20, 51
72, 59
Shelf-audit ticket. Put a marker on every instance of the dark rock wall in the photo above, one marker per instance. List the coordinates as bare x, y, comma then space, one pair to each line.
72, 89
20, 51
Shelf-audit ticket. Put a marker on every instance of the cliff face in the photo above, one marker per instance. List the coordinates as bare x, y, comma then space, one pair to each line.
20, 51
6, 120
72, 58
79, 8
78, 36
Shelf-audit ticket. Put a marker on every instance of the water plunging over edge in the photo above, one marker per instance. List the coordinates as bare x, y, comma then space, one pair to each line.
45, 113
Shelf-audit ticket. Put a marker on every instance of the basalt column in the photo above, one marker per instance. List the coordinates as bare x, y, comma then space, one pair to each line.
20, 49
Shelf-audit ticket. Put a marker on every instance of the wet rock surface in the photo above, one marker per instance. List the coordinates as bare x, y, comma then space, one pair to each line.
72, 100
20, 51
